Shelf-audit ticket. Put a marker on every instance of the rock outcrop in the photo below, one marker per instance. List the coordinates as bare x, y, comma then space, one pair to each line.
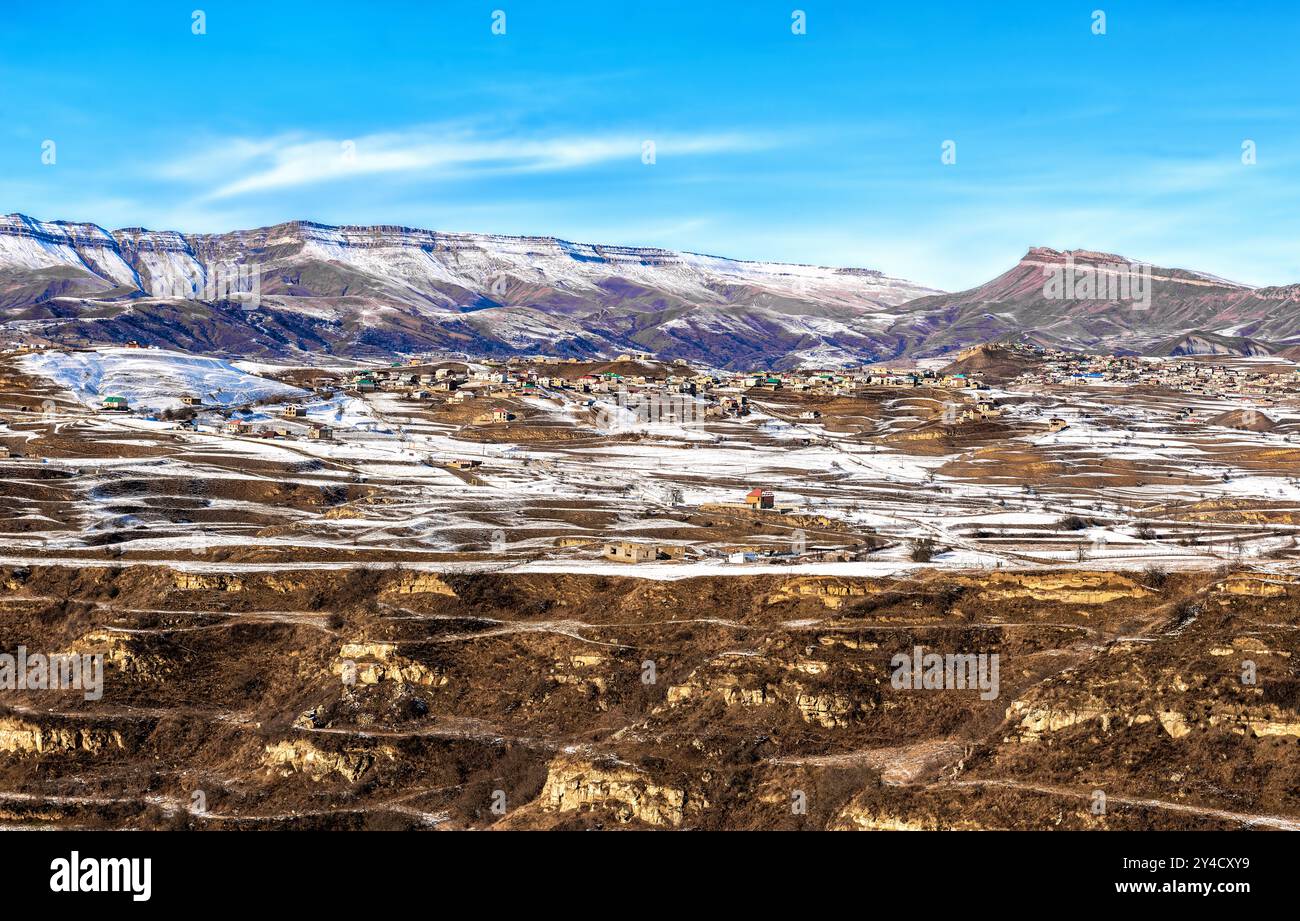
21, 737
1061, 587
624, 791
301, 756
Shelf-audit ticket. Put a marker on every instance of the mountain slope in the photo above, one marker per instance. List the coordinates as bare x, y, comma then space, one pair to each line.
993, 364
152, 379
1021, 303
372, 290
1197, 342
375, 291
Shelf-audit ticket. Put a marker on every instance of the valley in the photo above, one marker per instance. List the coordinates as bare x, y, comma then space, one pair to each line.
342, 596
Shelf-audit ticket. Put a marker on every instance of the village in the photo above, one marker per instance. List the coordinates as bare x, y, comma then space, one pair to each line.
656, 392
714, 395
1261, 381
654, 464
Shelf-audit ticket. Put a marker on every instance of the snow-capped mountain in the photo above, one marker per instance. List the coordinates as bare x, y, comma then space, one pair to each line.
375, 291
366, 290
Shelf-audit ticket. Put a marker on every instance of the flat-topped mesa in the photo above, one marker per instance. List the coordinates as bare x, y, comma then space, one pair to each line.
1045, 256
330, 241
64, 232
382, 288
1039, 254
78, 249
136, 239
380, 236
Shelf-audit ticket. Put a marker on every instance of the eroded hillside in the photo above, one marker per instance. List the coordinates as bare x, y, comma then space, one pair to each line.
399, 697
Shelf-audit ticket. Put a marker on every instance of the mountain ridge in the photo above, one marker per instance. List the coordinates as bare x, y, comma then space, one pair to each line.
372, 290
382, 288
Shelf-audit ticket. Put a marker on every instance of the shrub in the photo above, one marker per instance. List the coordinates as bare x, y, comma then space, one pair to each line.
1155, 577
1185, 612
923, 550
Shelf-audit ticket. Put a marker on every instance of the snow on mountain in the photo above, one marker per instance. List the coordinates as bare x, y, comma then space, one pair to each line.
1172, 302
427, 262
164, 261
382, 290
31, 244
152, 378
376, 290
491, 265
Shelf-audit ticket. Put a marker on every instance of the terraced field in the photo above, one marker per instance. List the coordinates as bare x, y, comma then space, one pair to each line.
397, 698
414, 624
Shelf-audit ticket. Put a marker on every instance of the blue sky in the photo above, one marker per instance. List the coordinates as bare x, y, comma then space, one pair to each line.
824, 147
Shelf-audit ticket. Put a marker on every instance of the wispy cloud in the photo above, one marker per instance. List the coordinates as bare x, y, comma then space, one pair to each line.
242, 166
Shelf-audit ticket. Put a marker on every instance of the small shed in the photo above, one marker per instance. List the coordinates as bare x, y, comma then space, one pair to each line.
630, 551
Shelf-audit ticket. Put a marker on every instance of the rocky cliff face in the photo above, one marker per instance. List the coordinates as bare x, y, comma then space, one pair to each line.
372, 291
368, 290
772, 702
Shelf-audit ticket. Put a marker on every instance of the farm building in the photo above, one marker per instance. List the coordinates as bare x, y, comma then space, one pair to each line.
629, 551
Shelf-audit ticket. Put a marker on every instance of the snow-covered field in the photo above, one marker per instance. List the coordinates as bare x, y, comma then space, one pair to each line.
153, 378
1123, 467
